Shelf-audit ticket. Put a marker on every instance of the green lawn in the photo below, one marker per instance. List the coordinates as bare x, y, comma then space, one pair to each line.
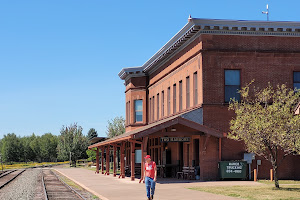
288, 190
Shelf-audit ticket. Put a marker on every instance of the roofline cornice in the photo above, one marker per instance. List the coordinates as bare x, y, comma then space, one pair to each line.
196, 27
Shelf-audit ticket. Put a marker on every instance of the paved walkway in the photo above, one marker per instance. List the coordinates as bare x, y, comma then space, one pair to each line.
112, 188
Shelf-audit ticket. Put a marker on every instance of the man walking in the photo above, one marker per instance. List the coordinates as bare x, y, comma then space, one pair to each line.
150, 174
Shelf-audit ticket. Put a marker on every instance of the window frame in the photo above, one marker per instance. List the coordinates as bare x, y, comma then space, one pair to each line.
195, 88
180, 95
174, 98
240, 71
135, 111
169, 100
157, 106
162, 103
294, 79
188, 92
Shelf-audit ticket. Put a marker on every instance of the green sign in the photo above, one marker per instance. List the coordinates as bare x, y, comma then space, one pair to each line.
175, 139
233, 169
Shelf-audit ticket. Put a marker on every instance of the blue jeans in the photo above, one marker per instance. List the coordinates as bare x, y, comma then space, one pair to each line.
150, 183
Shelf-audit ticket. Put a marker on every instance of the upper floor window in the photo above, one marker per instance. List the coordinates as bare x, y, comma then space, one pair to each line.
157, 102
128, 113
180, 95
187, 92
232, 85
153, 110
296, 80
162, 103
138, 109
169, 100
174, 98
195, 88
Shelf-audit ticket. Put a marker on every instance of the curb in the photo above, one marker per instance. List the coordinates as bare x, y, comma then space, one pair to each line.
84, 187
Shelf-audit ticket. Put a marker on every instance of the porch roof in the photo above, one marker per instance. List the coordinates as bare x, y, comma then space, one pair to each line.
160, 125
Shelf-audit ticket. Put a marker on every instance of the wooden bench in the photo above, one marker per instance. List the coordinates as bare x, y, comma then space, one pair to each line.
186, 173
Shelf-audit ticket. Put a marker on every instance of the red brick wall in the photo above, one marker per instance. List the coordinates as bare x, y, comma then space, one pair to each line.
264, 59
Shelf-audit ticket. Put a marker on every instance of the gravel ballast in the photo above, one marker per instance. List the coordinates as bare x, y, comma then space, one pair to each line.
23, 187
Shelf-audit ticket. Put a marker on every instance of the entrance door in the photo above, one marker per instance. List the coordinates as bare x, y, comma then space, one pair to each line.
180, 156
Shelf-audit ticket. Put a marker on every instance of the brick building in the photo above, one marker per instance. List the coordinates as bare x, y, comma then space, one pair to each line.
177, 102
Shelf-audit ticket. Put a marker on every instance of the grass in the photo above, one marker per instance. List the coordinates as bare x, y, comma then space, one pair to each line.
289, 190
27, 165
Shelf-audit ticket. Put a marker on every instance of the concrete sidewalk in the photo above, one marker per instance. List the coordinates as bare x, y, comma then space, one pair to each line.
112, 188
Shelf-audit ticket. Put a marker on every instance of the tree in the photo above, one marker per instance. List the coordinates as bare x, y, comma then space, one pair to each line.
28, 154
35, 146
11, 148
266, 122
115, 127
91, 154
48, 145
92, 133
71, 141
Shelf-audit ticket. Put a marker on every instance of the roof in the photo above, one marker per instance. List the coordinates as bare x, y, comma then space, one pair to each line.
181, 118
97, 139
196, 26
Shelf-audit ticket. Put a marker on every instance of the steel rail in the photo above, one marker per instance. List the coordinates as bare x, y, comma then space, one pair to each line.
44, 187
77, 193
63, 182
11, 179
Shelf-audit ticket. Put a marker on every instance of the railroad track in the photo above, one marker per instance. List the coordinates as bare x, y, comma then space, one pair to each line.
8, 176
55, 188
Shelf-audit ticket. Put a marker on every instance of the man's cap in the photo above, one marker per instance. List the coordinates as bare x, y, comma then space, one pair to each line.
147, 156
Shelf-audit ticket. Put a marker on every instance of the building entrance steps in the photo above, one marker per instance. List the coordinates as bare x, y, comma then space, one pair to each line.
113, 188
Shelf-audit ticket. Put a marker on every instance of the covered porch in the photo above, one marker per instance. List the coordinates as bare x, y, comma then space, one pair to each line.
175, 143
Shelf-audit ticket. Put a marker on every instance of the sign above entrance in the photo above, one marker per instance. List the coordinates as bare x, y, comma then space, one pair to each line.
175, 139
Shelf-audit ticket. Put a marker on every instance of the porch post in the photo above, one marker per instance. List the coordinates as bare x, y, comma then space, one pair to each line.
114, 161
97, 160
107, 160
122, 167
132, 148
102, 164
220, 149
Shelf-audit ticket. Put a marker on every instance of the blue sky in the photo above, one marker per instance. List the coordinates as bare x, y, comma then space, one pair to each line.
59, 59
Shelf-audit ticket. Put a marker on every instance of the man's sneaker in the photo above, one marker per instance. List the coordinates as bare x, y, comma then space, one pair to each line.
149, 199
152, 197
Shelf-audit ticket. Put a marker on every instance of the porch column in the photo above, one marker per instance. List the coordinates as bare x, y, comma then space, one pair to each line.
220, 149
107, 160
144, 153
122, 168
102, 163
97, 160
114, 161
132, 149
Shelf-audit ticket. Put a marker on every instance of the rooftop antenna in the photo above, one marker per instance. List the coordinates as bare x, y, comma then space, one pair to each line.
190, 18
266, 12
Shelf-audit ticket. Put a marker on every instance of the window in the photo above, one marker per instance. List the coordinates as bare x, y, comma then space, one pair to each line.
150, 109
187, 92
138, 109
180, 95
195, 89
169, 100
126, 121
174, 98
128, 113
153, 111
297, 80
157, 101
162, 103
232, 85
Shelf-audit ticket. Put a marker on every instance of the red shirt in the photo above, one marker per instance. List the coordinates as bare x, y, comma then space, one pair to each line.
149, 168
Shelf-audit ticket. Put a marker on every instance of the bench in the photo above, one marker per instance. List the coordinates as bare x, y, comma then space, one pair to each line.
187, 173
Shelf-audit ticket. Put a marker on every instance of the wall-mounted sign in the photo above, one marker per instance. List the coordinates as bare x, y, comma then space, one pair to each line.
175, 139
